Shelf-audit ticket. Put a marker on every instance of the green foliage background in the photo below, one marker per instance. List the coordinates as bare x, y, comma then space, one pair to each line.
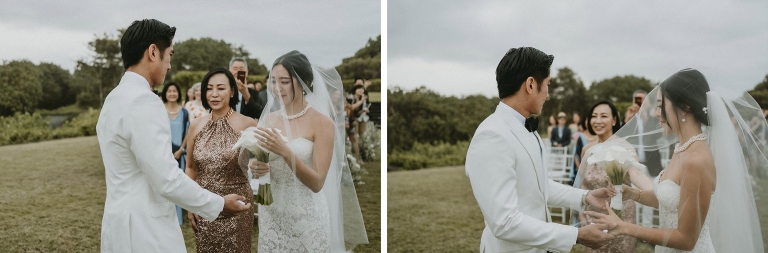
427, 129
26, 127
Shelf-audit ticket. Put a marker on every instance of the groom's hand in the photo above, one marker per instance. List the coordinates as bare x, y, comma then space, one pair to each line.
599, 197
232, 207
594, 236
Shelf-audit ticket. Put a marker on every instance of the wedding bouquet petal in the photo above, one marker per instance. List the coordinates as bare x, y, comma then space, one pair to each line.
615, 161
249, 140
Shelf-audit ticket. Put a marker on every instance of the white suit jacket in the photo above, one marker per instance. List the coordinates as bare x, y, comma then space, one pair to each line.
143, 179
509, 181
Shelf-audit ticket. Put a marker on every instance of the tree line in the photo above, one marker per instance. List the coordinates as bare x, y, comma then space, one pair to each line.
29, 87
424, 116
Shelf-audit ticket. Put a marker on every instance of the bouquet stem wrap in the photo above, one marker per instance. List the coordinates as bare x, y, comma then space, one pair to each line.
264, 195
615, 161
249, 141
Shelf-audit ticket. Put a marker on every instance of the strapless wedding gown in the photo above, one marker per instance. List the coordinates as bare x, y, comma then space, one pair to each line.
298, 220
668, 194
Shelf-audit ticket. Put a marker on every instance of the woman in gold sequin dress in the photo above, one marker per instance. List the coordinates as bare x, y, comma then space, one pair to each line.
216, 167
603, 122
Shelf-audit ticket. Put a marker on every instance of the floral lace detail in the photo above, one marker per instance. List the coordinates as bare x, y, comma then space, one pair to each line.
298, 219
668, 194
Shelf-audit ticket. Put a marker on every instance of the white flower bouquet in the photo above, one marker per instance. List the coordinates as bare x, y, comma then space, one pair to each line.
616, 162
250, 141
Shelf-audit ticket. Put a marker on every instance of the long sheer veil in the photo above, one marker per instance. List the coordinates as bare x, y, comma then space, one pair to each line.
323, 91
736, 137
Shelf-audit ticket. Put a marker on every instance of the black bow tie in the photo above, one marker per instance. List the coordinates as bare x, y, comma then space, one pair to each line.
531, 124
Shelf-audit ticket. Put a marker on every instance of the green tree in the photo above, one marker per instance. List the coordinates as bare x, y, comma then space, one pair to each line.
207, 53
21, 83
366, 63
567, 94
423, 116
619, 88
56, 87
760, 93
104, 69
85, 85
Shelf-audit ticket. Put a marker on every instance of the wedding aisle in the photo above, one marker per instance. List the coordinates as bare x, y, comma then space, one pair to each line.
53, 198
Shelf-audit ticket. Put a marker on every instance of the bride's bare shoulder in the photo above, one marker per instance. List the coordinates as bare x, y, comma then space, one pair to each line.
699, 162
321, 118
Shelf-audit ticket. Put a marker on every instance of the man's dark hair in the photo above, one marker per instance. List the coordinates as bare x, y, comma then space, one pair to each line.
517, 65
163, 95
232, 86
140, 35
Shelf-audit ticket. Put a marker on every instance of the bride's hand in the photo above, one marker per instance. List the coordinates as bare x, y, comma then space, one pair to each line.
598, 197
272, 141
628, 192
258, 168
610, 218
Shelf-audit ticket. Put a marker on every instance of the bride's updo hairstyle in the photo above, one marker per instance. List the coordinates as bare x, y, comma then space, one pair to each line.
686, 88
298, 66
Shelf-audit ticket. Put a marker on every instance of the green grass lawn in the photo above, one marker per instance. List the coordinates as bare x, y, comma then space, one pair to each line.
53, 198
433, 210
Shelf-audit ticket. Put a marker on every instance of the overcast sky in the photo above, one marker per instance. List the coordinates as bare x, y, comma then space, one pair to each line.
59, 31
454, 48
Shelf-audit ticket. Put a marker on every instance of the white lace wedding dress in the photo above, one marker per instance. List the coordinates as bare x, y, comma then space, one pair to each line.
668, 194
298, 219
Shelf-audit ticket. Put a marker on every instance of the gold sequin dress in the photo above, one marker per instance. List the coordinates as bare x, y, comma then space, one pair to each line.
218, 171
596, 178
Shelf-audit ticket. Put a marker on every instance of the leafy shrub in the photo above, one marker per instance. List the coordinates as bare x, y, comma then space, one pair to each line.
80, 125
424, 155
24, 127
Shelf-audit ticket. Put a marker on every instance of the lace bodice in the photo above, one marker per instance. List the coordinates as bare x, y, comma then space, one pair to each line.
298, 219
668, 194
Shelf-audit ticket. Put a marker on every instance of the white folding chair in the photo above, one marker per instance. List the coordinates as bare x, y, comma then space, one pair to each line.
559, 166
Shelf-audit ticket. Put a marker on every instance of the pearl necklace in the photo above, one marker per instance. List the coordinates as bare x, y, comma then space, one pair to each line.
698, 137
301, 113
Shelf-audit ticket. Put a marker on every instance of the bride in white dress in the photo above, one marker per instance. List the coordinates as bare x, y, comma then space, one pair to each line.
313, 211
704, 195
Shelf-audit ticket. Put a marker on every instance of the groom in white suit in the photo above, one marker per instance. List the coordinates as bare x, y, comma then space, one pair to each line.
505, 166
143, 179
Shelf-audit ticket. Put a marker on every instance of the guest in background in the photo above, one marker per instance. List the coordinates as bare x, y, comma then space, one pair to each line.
552, 123
248, 104
179, 118
263, 94
356, 110
250, 86
638, 97
190, 96
195, 107
560, 135
257, 85
582, 140
574, 126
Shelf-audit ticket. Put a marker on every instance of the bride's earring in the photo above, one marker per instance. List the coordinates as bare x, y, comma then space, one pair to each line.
683, 119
